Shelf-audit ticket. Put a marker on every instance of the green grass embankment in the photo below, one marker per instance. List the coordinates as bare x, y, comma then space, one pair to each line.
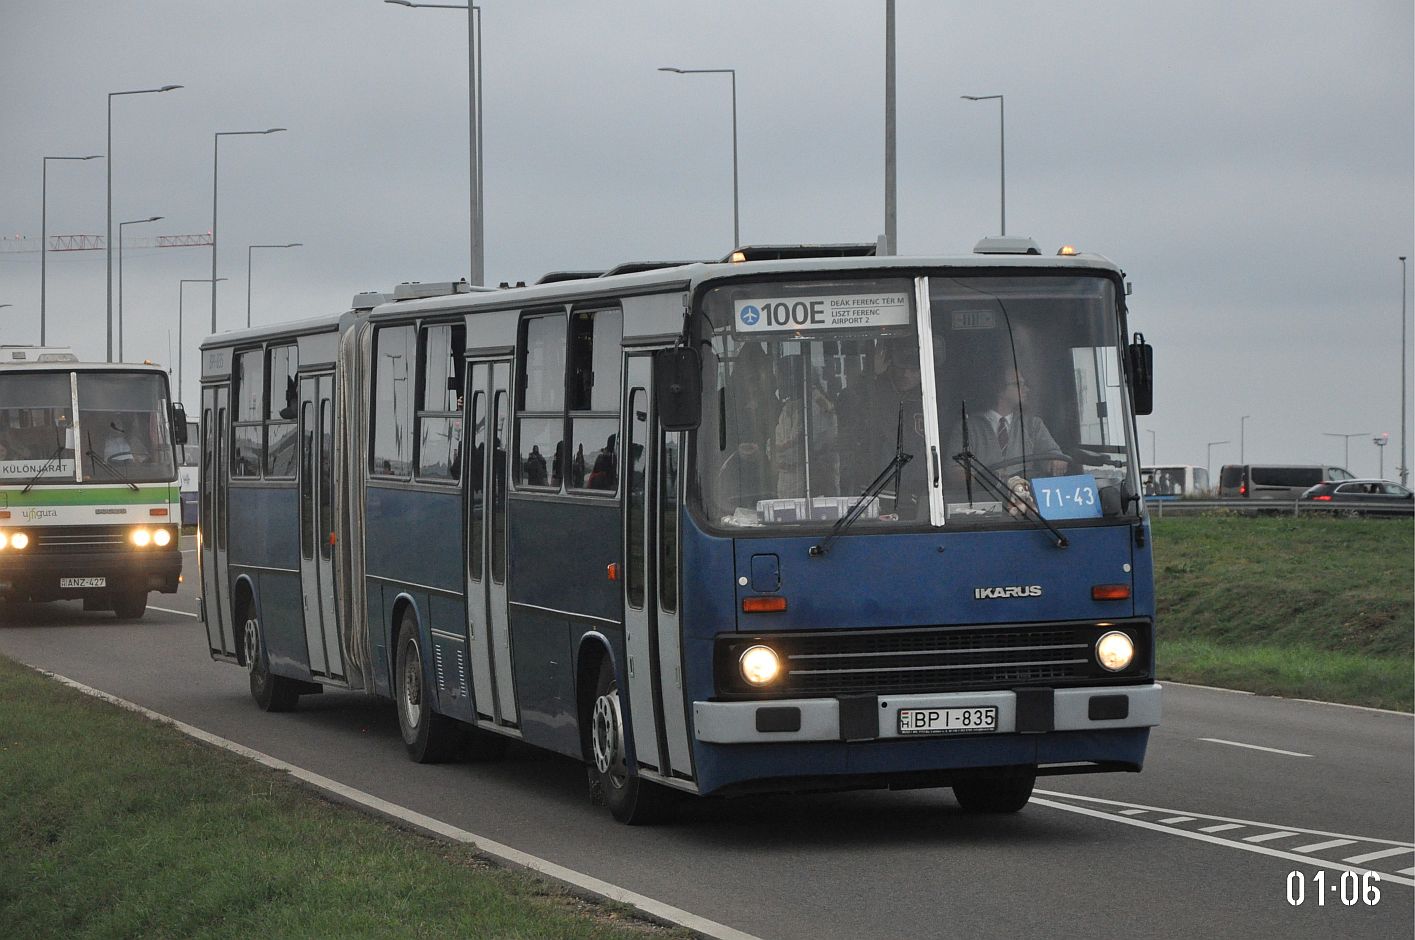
1300, 607
115, 826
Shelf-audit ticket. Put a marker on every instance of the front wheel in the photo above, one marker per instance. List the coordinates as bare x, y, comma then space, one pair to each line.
430, 738
272, 693
631, 799
999, 792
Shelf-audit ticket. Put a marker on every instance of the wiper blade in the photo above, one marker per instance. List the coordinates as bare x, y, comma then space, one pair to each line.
44, 468
109, 467
871, 491
1003, 493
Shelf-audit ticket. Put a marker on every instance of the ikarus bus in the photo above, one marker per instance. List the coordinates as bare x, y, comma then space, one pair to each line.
777, 523
88, 495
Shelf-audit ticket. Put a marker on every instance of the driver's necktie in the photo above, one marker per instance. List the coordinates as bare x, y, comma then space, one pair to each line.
1002, 434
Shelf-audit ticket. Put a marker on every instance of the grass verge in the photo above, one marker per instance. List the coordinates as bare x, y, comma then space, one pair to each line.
116, 826
1300, 607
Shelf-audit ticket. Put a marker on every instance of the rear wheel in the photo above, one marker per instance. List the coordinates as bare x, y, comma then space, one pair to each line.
272, 693
1000, 792
130, 604
630, 799
430, 738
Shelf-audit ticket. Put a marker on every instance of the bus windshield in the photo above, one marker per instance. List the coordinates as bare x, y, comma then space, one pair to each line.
1009, 396
123, 421
36, 427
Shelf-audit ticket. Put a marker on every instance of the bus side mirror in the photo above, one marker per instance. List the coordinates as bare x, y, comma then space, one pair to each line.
678, 388
1141, 357
179, 424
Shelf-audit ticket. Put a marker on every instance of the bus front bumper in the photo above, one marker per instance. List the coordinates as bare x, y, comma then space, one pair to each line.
877, 717
43, 576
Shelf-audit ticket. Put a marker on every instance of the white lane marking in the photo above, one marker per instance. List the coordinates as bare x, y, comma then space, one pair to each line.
1305, 701
168, 610
1177, 819
1407, 871
482, 844
1255, 747
1269, 836
1230, 819
1372, 856
1132, 812
1329, 844
1223, 828
1212, 840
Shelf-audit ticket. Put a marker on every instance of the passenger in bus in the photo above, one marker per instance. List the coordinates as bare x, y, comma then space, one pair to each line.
604, 475
1002, 438
752, 411
535, 467
886, 418
789, 451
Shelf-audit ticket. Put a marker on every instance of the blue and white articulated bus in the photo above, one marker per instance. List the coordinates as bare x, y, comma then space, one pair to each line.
88, 481
789, 524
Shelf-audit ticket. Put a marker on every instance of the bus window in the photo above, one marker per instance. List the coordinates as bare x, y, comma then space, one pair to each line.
281, 399
595, 338
476, 484
392, 452
498, 490
247, 431
439, 414
307, 484
540, 405
668, 521
637, 495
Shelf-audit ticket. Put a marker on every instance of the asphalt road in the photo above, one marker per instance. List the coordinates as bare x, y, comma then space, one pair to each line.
1199, 844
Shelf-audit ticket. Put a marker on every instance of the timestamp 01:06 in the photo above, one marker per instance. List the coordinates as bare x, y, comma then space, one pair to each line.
1349, 888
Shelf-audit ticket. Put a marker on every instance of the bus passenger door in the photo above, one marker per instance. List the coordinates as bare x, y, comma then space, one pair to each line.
487, 408
317, 525
216, 585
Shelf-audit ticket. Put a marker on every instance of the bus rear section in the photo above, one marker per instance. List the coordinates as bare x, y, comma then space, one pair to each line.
88, 498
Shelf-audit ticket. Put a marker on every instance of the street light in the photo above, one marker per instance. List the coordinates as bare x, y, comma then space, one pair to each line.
1242, 427
44, 231
1404, 466
249, 249
152, 218
1381, 440
1002, 147
108, 231
1346, 460
181, 296
1210, 464
215, 162
736, 228
474, 125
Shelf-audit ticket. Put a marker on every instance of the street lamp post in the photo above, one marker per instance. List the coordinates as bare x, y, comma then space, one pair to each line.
1404, 466
1346, 460
1001, 146
474, 125
108, 231
249, 249
1242, 437
153, 218
736, 214
1210, 464
181, 319
215, 162
44, 233
1381, 440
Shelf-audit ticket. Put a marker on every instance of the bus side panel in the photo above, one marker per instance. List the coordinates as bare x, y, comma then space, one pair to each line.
263, 527
448, 617
707, 610
378, 635
545, 687
415, 536
282, 615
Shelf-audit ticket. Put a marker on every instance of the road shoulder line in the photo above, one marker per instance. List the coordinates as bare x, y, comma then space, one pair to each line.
504, 853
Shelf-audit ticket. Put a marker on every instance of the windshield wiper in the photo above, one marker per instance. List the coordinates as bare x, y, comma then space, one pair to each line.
44, 468
999, 489
892, 469
108, 466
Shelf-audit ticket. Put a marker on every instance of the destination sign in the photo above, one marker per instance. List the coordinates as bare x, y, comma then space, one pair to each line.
836, 312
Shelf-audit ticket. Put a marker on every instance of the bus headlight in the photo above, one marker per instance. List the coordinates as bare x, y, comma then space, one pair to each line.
19, 541
140, 537
161, 537
1115, 651
759, 665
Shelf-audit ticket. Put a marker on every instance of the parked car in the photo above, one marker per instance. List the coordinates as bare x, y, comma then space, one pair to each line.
1361, 496
1276, 481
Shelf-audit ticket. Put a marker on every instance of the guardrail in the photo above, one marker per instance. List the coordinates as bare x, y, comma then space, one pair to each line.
1160, 508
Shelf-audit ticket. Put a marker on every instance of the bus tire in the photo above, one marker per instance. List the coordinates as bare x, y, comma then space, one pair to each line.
130, 604
631, 799
1003, 792
272, 693
430, 738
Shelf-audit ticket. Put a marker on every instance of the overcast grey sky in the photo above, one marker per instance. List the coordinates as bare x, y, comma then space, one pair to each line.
1250, 165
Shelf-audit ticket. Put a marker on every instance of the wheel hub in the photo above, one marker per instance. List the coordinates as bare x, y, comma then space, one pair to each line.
412, 684
252, 638
606, 734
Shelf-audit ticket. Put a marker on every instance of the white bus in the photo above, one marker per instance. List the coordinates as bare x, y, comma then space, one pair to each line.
1175, 481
